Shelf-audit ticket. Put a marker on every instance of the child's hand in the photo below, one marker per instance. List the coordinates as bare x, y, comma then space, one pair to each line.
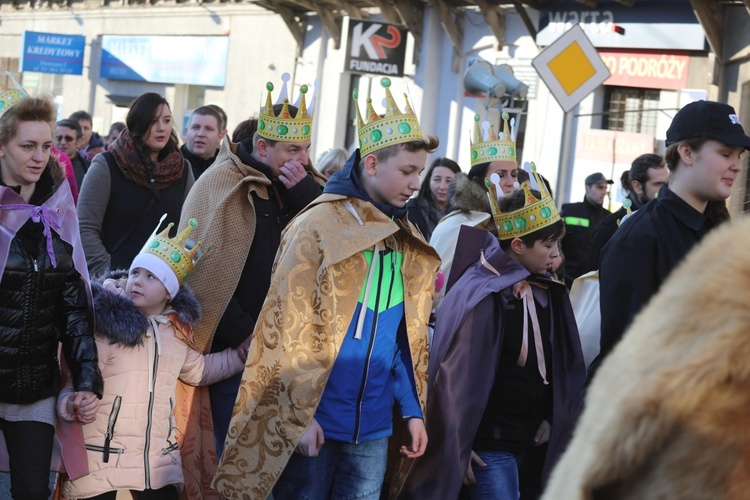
469, 477
244, 348
112, 285
542, 433
312, 440
83, 405
418, 439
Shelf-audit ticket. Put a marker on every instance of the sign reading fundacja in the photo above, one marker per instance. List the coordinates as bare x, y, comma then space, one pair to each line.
376, 48
571, 68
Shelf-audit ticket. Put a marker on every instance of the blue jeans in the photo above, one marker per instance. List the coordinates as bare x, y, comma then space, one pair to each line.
498, 480
342, 471
223, 395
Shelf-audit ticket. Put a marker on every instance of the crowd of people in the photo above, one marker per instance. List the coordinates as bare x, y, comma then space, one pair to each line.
359, 328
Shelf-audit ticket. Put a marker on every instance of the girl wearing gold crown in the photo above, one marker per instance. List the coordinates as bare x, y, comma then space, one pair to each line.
43, 299
144, 337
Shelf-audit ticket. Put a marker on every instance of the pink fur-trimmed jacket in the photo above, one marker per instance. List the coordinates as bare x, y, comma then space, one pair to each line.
132, 444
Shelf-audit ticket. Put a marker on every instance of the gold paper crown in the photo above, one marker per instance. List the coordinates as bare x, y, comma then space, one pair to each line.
172, 250
394, 127
535, 214
283, 127
10, 97
495, 148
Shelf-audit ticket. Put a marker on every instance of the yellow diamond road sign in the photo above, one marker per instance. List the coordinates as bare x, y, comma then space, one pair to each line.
571, 68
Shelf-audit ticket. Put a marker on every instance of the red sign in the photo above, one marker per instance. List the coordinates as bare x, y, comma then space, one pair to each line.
647, 69
610, 146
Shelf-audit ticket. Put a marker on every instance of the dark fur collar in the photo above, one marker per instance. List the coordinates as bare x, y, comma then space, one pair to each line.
120, 322
467, 195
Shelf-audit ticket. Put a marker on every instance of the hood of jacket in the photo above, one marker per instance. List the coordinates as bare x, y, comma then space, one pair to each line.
120, 322
467, 196
346, 182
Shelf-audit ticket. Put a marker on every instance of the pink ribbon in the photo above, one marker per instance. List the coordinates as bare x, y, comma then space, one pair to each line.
522, 290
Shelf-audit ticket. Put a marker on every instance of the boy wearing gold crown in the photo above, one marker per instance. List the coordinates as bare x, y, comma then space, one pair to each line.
245, 200
342, 336
506, 368
144, 337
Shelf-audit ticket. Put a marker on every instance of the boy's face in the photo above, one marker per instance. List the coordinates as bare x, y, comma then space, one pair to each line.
395, 180
539, 257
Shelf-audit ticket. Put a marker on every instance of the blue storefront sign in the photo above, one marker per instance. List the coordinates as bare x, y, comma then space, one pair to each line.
190, 60
52, 53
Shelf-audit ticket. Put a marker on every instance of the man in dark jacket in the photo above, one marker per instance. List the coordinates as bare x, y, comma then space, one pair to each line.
67, 135
254, 189
580, 220
647, 175
203, 135
704, 144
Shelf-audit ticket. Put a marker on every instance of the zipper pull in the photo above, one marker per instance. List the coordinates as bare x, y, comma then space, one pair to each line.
36, 266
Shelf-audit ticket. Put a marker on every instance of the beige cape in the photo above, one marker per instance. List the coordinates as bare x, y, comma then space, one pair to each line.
222, 202
318, 276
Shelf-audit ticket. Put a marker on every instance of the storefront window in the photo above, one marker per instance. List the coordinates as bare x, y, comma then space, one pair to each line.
632, 110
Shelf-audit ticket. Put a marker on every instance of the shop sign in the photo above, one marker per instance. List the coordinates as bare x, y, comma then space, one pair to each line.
611, 146
656, 24
647, 70
189, 60
375, 48
52, 53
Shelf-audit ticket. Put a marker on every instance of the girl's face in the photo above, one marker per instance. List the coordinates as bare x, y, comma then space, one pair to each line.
160, 130
508, 173
148, 293
441, 178
712, 169
25, 156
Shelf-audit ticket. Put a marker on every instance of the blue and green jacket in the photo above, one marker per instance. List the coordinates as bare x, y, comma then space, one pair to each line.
373, 369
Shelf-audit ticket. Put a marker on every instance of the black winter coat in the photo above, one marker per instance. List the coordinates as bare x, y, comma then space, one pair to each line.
41, 305
639, 258
580, 220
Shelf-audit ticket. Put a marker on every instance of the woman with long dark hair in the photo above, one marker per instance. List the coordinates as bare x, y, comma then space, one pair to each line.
44, 298
431, 203
130, 186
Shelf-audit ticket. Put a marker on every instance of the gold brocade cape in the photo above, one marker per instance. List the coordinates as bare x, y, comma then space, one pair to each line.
222, 202
318, 276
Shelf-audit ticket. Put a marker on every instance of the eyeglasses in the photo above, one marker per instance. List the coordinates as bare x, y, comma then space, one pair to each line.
66, 138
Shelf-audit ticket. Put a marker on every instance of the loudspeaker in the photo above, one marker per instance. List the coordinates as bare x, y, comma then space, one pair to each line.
513, 86
482, 77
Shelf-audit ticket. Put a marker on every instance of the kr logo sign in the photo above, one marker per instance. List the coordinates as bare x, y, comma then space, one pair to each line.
376, 48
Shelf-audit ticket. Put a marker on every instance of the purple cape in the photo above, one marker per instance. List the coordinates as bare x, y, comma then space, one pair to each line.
61, 216
465, 353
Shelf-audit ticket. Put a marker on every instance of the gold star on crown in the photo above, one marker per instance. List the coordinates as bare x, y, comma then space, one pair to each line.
533, 216
394, 127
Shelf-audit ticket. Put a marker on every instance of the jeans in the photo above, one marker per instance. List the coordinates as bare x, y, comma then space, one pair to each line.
223, 395
498, 480
29, 446
342, 471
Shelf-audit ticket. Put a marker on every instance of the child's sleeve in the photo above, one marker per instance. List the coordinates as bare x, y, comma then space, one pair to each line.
405, 388
200, 369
